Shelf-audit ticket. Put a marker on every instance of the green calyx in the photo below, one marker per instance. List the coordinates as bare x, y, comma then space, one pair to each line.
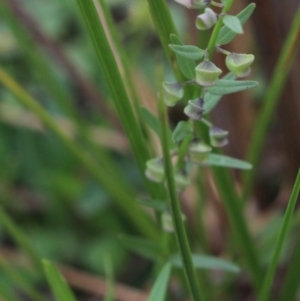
155, 170
239, 64
206, 20
195, 109
207, 74
198, 152
173, 92
195, 4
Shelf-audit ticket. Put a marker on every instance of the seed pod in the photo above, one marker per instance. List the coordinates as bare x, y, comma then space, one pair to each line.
206, 20
155, 170
218, 137
194, 3
195, 109
198, 152
239, 64
207, 74
173, 92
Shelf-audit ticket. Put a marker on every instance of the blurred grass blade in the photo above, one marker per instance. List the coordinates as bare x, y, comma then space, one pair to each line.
20, 239
164, 26
265, 289
20, 281
119, 95
159, 289
208, 262
58, 284
122, 195
291, 282
270, 100
110, 291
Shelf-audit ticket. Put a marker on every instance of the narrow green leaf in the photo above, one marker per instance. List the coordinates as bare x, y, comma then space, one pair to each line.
110, 291
186, 66
208, 262
58, 284
226, 35
188, 51
159, 289
233, 23
141, 246
225, 161
182, 130
266, 286
224, 86
153, 122
210, 100
158, 205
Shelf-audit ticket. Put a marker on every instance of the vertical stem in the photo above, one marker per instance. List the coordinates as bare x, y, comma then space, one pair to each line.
180, 233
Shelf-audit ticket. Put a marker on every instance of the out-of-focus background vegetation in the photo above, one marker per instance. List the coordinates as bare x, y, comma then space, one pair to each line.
65, 214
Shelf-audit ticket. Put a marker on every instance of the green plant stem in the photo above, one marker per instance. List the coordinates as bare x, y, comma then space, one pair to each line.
271, 98
214, 36
122, 195
119, 95
265, 289
164, 25
180, 233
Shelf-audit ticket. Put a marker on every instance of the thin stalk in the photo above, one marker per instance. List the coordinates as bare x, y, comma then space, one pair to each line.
21, 240
291, 281
123, 196
266, 287
156, 191
271, 98
119, 95
164, 25
180, 232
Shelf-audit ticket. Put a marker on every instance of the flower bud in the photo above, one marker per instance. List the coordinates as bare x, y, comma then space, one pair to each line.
198, 152
218, 137
239, 64
206, 20
173, 92
207, 74
182, 181
195, 109
155, 170
194, 3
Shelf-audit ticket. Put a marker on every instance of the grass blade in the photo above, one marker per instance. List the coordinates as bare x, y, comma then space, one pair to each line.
159, 289
119, 95
20, 239
122, 195
271, 98
58, 284
265, 290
